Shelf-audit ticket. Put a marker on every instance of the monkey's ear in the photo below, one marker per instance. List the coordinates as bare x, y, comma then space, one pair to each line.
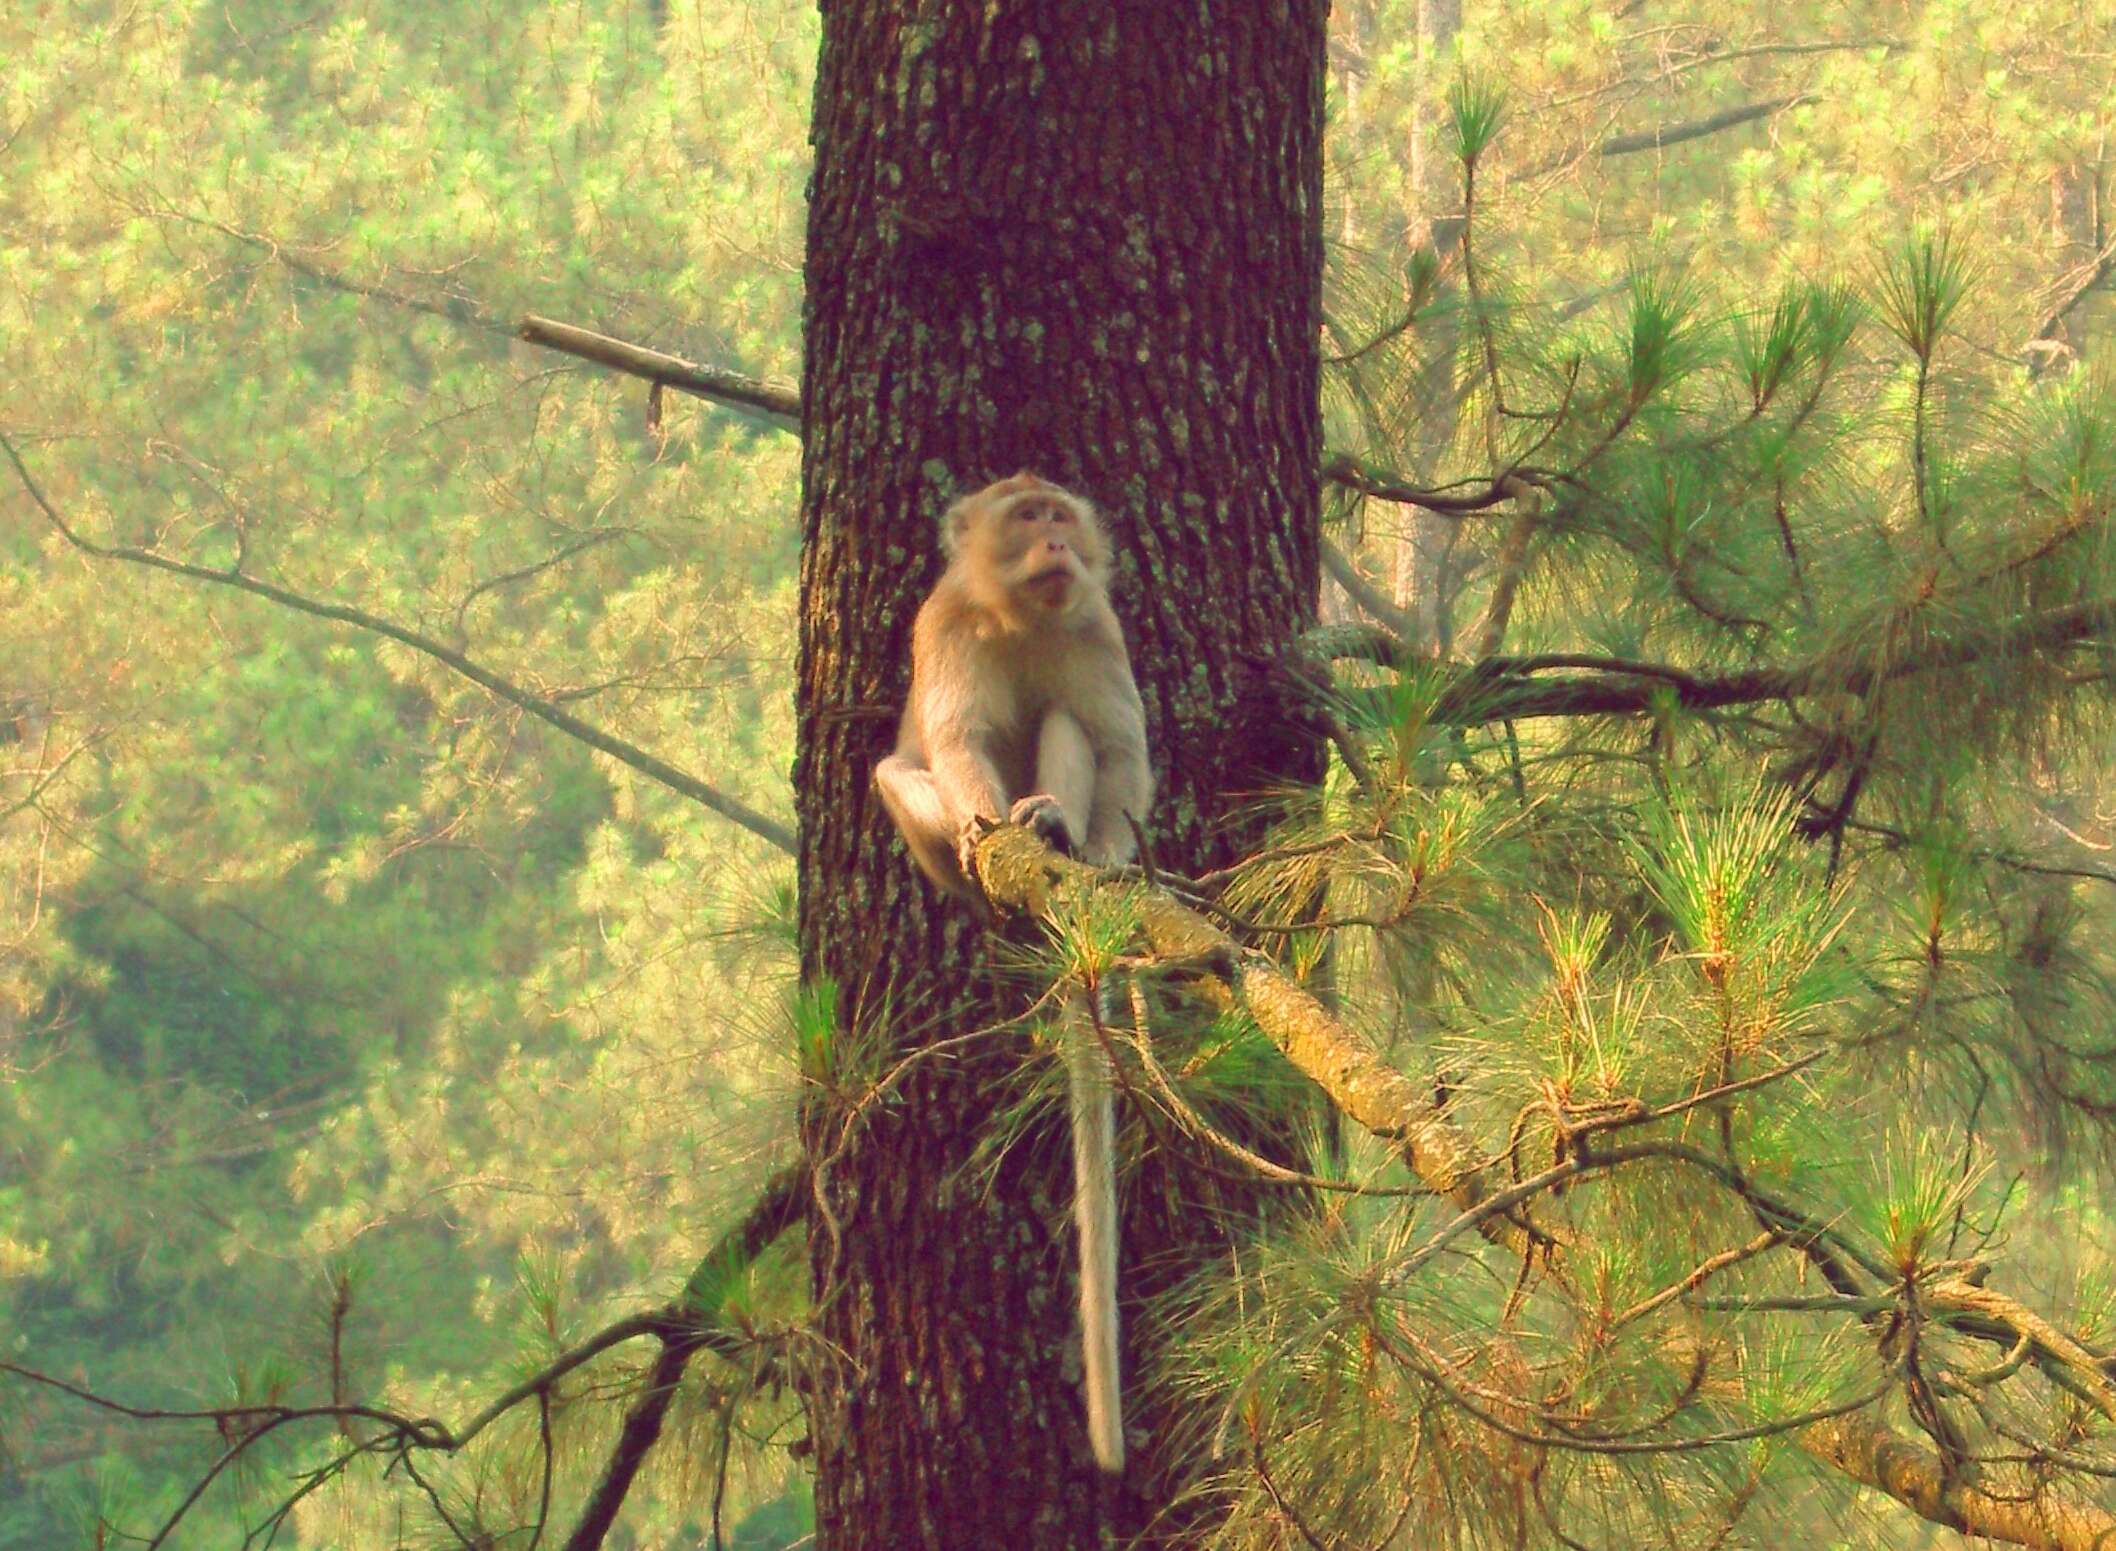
955, 525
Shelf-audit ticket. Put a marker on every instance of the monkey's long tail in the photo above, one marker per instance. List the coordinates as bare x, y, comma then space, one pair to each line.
1095, 1215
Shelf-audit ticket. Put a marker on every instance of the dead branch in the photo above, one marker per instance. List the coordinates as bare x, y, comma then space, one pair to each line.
1372, 602
1344, 469
781, 403
1663, 135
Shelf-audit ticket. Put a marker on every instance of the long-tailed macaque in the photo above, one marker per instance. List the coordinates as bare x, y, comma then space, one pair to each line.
1023, 707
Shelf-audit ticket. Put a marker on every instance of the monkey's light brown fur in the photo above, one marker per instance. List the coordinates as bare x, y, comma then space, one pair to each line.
1021, 691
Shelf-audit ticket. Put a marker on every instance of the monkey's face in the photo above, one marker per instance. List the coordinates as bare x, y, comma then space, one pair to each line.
1049, 553
1027, 550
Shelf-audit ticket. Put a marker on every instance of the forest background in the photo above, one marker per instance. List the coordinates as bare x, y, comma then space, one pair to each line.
355, 1023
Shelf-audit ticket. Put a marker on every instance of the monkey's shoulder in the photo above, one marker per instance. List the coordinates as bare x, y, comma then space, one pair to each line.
946, 611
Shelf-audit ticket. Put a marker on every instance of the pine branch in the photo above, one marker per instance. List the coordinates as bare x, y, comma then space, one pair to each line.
1018, 874
660, 770
1862, 1448
1508, 688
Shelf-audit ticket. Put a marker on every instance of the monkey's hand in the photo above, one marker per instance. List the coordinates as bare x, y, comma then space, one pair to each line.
1042, 814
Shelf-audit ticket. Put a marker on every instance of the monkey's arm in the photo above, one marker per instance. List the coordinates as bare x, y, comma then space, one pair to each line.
942, 773
914, 803
1065, 776
957, 707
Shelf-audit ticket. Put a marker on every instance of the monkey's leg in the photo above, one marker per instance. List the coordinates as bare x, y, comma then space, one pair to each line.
913, 799
1065, 780
1124, 788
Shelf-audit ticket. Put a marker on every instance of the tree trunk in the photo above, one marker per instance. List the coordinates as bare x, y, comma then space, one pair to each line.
1083, 241
1433, 197
2076, 229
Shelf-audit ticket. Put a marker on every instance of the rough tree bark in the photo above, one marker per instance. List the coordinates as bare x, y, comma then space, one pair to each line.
1084, 241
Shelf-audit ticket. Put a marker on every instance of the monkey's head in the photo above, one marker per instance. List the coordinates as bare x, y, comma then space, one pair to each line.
1027, 549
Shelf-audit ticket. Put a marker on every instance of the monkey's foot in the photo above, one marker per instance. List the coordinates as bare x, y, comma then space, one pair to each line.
974, 829
1042, 815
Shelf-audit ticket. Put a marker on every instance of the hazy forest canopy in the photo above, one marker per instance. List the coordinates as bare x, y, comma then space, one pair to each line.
1720, 617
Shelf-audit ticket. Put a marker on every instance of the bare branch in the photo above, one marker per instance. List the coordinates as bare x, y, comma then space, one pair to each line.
777, 402
1196, 1125
455, 309
540, 1382
1664, 135
2096, 270
1344, 469
660, 770
693, 1322
781, 403
2010, 1313
1488, 693
1371, 600
423, 1430
1509, 567
1720, 56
